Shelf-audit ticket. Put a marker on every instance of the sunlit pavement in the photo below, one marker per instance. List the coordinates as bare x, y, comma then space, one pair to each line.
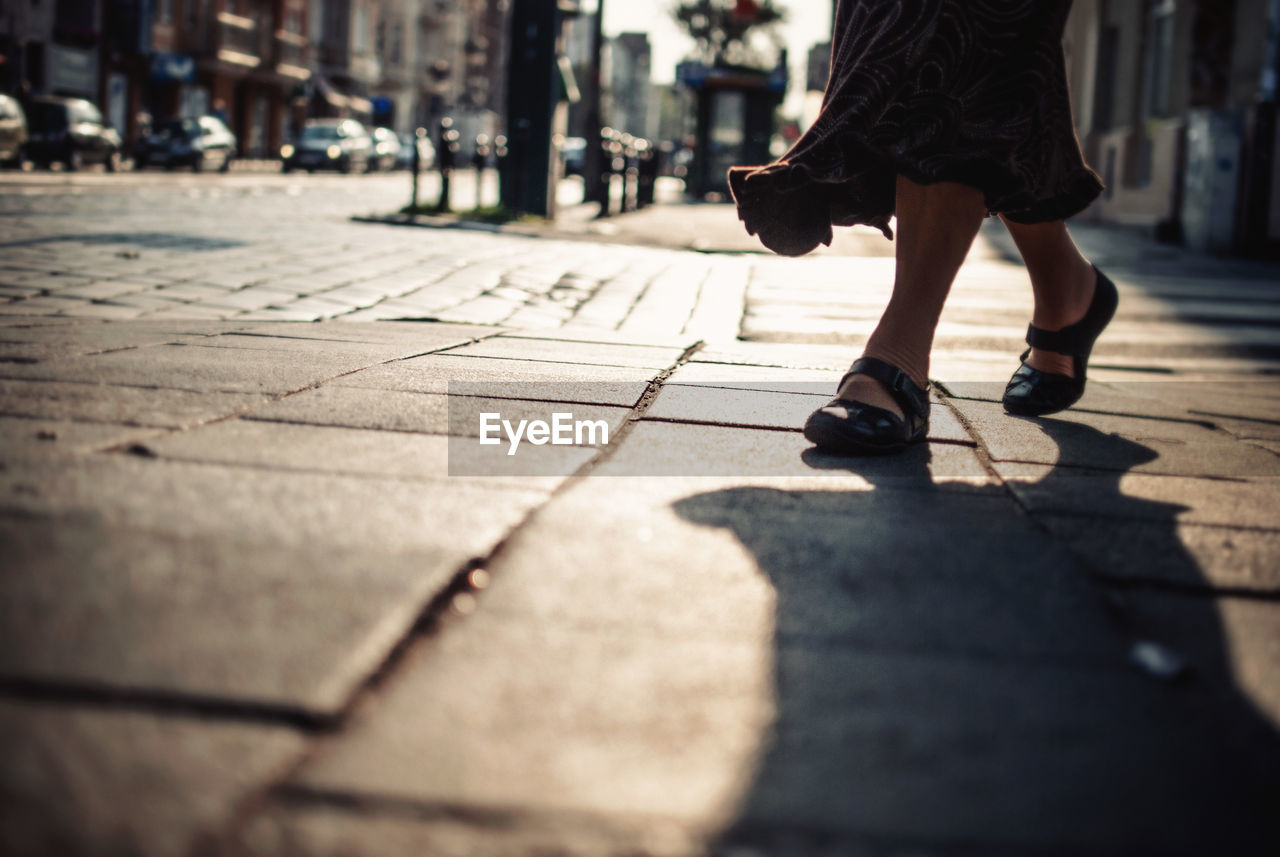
262, 595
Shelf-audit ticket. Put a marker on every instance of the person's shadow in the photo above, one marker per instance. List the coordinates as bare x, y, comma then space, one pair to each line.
950, 678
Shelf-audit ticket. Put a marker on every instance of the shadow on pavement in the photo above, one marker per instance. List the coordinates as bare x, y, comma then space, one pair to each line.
950, 680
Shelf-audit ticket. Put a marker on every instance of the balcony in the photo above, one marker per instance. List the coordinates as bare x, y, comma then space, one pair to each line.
238, 40
291, 55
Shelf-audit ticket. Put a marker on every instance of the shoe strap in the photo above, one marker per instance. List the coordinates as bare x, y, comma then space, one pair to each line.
913, 399
1077, 339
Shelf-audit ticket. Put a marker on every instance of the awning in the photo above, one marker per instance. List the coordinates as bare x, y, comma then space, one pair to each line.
326, 91
339, 100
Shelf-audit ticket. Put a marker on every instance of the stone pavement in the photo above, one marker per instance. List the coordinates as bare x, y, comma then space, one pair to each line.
264, 594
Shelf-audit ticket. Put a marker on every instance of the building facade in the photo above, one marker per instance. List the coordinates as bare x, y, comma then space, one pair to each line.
52, 47
147, 60
1175, 105
629, 89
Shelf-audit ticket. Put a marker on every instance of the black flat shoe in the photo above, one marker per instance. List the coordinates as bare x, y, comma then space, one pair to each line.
1033, 393
856, 428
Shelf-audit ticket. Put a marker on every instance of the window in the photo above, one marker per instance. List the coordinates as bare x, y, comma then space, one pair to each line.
1157, 99
360, 29
315, 22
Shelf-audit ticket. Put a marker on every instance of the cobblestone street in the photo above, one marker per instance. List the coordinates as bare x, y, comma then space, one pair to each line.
262, 596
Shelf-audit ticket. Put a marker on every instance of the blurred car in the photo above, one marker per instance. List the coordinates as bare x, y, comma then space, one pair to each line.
197, 143
70, 131
426, 152
386, 148
329, 144
13, 132
574, 152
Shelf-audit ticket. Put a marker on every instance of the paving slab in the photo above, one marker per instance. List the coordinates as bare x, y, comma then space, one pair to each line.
284, 508
327, 449
1248, 503
771, 409
204, 369
39, 345
23, 438
516, 348
743, 739
769, 378
197, 616
317, 830
429, 336
926, 750
1232, 641
375, 352
527, 379
430, 413
830, 566
91, 781
1135, 398
786, 355
1169, 553
94, 335
605, 336
356, 407
1102, 441
211, 556
657, 448
1265, 431
139, 406
507, 714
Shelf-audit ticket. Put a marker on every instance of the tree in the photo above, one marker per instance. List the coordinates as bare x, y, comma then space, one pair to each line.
722, 28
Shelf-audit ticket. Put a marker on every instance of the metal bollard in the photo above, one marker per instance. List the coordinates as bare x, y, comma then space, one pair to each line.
648, 175
415, 165
446, 156
479, 162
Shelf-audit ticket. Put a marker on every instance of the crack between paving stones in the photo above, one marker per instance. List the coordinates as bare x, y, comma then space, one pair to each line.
1108, 586
434, 618
697, 298
271, 398
1117, 613
169, 703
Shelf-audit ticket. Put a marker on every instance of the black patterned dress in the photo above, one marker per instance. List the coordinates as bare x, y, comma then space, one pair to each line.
969, 91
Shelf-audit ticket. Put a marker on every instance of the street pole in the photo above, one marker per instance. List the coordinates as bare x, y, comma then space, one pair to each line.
595, 189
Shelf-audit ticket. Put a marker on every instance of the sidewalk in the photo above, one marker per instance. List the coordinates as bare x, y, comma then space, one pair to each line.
264, 596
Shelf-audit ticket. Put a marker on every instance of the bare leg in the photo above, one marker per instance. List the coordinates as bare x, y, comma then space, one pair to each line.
936, 226
1062, 280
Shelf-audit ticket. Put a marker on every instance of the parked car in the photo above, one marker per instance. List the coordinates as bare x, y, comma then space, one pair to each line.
70, 131
201, 144
329, 144
386, 148
13, 132
426, 152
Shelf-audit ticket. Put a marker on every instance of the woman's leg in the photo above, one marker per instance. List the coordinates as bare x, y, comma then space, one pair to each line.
1061, 279
936, 226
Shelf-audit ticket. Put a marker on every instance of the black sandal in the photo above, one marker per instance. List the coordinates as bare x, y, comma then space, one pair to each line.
856, 428
1033, 393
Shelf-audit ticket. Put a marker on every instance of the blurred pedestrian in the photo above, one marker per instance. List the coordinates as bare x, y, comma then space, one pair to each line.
940, 112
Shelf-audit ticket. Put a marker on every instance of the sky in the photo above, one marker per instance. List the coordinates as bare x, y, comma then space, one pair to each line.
808, 21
